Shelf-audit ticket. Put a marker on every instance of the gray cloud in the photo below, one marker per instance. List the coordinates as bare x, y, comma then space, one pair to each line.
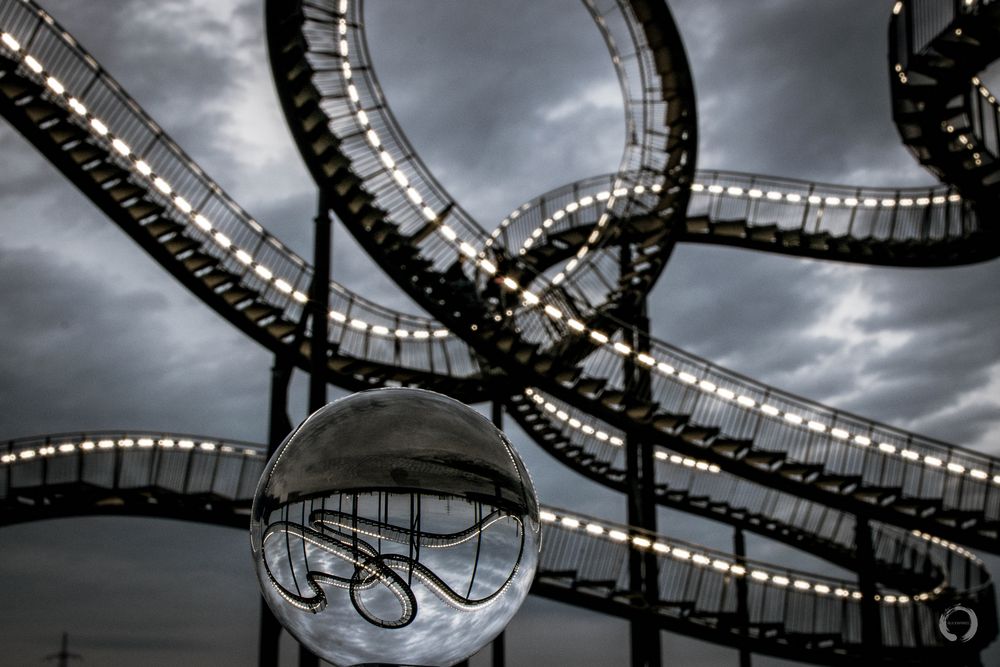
504, 101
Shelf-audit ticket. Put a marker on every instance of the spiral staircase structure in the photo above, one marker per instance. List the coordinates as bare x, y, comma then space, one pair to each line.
538, 314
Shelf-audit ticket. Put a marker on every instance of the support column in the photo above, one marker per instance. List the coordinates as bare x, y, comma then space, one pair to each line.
641, 487
278, 427
319, 304
742, 606
871, 620
497, 648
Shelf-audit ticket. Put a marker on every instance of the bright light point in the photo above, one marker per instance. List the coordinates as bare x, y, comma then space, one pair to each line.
594, 529
55, 85
35, 66
546, 516
11, 43
99, 127
570, 522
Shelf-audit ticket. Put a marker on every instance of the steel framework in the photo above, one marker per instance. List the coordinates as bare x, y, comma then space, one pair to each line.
544, 315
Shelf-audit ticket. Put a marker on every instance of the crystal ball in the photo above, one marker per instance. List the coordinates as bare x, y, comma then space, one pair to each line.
395, 526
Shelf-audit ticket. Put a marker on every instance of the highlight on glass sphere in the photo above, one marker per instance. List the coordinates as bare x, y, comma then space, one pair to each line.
395, 526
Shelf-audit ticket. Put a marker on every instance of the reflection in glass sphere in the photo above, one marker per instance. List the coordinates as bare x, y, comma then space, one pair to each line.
395, 526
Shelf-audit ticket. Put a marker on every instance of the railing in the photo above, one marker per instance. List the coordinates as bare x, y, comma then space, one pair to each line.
926, 215
175, 463
694, 582
402, 187
742, 408
225, 231
701, 585
692, 479
808, 432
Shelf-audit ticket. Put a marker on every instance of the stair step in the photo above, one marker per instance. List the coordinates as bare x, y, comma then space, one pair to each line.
881, 495
695, 434
641, 411
733, 448
958, 518
730, 228
764, 459
807, 472
666, 421
838, 483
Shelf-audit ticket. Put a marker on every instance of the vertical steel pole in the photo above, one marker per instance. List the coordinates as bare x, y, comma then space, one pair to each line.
318, 336
742, 606
871, 620
278, 427
641, 487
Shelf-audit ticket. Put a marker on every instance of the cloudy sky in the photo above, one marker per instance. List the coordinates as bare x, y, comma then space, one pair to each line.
504, 101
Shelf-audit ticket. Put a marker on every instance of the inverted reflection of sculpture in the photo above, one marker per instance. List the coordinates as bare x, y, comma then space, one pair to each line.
395, 526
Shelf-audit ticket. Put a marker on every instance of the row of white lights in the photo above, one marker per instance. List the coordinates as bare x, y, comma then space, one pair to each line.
614, 534
569, 209
712, 189
960, 550
413, 195
100, 129
602, 339
828, 200
122, 443
685, 553
688, 462
615, 441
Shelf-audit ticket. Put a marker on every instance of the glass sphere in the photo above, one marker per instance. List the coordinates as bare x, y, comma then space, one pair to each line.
395, 526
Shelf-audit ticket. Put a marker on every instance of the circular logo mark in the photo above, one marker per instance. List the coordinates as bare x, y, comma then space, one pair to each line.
958, 623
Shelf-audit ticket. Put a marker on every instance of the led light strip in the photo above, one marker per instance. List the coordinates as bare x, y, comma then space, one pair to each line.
105, 444
684, 552
826, 200
716, 189
99, 129
566, 521
568, 209
598, 337
962, 551
603, 436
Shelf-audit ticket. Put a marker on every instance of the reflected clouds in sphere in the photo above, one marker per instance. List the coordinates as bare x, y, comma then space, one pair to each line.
395, 526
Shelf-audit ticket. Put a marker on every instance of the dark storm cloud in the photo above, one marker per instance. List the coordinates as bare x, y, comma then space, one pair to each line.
504, 101
90, 354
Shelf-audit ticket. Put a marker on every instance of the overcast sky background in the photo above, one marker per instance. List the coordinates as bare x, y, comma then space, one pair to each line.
504, 101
